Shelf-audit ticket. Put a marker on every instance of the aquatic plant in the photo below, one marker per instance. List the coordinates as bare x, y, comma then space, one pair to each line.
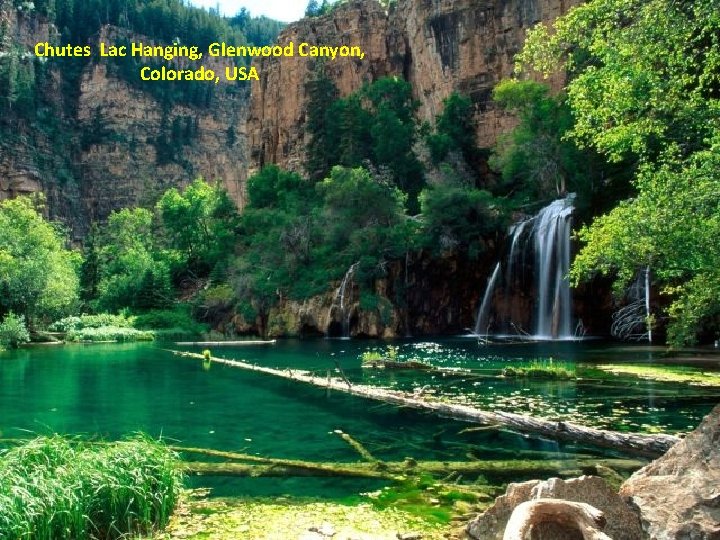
53, 488
542, 368
372, 356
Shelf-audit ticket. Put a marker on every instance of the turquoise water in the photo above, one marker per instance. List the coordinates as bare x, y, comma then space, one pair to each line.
112, 390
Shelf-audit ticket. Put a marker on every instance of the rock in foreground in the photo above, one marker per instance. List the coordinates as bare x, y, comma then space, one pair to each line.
678, 495
622, 522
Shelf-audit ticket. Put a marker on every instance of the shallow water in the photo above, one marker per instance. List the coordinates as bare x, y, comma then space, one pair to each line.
113, 390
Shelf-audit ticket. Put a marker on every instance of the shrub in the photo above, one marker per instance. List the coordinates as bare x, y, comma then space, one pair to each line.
109, 333
92, 321
13, 331
52, 488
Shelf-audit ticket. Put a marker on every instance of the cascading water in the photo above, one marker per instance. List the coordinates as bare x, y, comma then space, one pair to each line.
553, 226
483, 316
547, 236
340, 300
517, 231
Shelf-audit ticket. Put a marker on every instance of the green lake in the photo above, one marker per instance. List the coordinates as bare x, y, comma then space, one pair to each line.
113, 390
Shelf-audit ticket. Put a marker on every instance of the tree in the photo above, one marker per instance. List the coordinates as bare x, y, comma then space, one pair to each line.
645, 85
38, 275
134, 271
536, 160
199, 223
312, 9
454, 130
320, 125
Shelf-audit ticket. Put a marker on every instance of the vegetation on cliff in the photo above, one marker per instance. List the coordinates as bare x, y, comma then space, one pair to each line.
645, 87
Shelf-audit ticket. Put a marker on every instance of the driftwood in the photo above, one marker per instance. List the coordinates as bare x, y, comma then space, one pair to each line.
574, 516
630, 443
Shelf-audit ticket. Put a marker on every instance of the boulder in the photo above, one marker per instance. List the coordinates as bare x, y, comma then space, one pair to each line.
622, 522
678, 494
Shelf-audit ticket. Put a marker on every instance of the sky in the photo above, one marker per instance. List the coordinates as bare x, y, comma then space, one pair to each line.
282, 10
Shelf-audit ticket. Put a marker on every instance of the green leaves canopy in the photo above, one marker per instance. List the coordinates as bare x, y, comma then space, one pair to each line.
38, 275
645, 84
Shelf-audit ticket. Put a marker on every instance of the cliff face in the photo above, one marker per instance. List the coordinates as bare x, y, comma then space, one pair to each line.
278, 104
95, 146
466, 46
121, 166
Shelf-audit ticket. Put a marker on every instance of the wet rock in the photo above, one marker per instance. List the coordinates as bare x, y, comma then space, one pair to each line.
678, 494
622, 522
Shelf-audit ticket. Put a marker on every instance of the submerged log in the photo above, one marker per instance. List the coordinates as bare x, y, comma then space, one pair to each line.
570, 516
402, 469
385, 363
224, 343
639, 444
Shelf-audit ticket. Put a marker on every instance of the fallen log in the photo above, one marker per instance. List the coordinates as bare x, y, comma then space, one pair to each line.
638, 444
224, 343
509, 469
570, 516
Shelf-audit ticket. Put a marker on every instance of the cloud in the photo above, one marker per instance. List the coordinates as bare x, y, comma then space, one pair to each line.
282, 10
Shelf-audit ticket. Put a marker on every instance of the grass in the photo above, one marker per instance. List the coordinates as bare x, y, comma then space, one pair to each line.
542, 368
52, 488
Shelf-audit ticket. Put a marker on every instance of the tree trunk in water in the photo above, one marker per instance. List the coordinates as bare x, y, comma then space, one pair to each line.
631, 443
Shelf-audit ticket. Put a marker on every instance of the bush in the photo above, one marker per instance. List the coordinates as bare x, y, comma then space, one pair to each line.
52, 488
92, 321
176, 321
13, 331
109, 333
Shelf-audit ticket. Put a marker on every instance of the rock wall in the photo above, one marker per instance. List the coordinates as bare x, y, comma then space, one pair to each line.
276, 122
440, 46
124, 170
93, 147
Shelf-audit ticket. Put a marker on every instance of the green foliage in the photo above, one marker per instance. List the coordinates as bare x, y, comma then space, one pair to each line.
542, 368
535, 160
134, 271
644, 74
460, 218
199, 225
38, 275
320, 126
375, 125
176, 321
109, 333
13, 331
52, 488
646, 85
672, 226
258, 31
454, 130
296, 238
92, 321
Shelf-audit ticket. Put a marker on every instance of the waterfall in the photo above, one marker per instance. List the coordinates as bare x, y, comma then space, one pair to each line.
547, 236
553, 226
483, 316
340, 299
516, 231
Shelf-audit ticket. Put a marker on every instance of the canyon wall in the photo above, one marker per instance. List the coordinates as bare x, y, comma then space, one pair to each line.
95, 143
440, 46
